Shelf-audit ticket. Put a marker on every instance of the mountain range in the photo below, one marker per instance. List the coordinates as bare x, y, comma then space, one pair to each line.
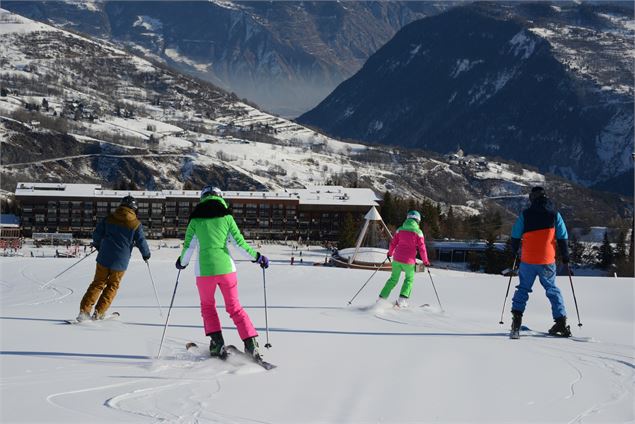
550, 85
285, 56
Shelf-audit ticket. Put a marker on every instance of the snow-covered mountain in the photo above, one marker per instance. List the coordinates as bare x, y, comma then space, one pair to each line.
550, 85
336, 363
285, 56
109, 117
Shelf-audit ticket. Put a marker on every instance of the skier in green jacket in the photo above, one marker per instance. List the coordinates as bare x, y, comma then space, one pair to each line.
210, 227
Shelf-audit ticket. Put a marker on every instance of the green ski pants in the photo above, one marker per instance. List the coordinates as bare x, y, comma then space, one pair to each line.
397, 268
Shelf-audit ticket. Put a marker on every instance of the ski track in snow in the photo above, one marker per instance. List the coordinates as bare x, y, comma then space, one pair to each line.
575, 358
54, 288
192, 395
50, 398
581, 357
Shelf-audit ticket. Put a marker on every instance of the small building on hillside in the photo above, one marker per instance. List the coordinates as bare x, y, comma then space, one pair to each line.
10, 232
9, 226
457, 251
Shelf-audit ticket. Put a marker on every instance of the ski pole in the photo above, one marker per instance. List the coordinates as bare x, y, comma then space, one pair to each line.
264, 286
435, 290
155, 289
511, 274
167, 319
574, 298
55, 278
369, 278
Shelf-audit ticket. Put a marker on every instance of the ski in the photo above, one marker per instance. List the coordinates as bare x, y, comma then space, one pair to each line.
532, 333
233, 350
553, 336
114, 315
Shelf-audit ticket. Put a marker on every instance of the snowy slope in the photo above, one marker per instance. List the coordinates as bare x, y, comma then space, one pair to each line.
335, 363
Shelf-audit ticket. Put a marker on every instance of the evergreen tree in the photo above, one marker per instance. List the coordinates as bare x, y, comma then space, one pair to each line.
475, 227
576, 249
605, 256
494, 259
620, 248
450, 224
348, 233
388, 209
430, 219
623, 258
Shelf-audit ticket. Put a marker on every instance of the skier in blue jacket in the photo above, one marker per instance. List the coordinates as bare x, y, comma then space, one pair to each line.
114, 238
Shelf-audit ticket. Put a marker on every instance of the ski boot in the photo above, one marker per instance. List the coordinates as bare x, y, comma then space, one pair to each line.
560, 328
402, 302
251, 348
97, 316
517, 319
217, 345
83, 316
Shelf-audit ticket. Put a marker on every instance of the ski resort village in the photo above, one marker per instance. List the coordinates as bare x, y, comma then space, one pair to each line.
317, 212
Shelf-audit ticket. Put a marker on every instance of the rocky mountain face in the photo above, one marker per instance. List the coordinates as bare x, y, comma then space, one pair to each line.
74, 109
284, 56
550, 85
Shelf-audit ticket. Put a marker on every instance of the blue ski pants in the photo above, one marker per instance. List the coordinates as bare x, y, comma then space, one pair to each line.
527, 274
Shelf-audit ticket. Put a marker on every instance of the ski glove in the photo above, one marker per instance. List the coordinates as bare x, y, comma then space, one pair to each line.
95, 246
262, 260
146, 258
515, 245
178, 264
564, 250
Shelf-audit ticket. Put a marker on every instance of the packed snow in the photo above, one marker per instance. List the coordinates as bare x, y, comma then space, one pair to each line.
336, 363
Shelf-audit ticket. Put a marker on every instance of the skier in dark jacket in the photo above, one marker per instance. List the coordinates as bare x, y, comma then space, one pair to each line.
114, 238
540, 227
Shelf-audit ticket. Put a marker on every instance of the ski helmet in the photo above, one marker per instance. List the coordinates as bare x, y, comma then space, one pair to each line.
210, 189
537, 193
129, 202
414, 215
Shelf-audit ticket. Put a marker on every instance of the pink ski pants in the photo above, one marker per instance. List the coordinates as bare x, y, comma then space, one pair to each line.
228, 284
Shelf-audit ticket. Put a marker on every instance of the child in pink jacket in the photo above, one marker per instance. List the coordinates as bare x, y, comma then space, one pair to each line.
403, 248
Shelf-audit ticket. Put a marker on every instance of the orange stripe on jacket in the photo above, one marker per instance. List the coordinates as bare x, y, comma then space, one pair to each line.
539, 247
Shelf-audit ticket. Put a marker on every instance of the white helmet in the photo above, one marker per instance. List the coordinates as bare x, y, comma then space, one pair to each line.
209, 189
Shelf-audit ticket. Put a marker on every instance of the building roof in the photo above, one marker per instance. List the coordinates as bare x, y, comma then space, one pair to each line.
312, 195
